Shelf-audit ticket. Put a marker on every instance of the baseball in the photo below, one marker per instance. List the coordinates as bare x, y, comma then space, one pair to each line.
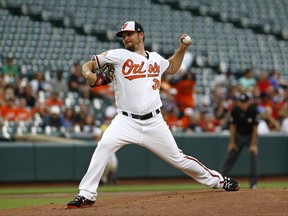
186, 40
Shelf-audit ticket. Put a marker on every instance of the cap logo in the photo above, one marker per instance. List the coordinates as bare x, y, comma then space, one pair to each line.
124, 26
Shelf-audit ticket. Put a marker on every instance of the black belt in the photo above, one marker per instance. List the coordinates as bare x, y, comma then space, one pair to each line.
141, 117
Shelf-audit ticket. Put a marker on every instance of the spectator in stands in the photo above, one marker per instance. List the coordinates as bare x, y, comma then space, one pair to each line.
54, 100
205, 103
185, 120
168, 100
39, 109
9, 69
274, 79
277, 102
194, 123
68, 118
59, 83
224, 80
29, 96
52, 119
274, 104
89, 125
9, 110
262, 126
167, 94
103, 92
81, 115
266, 116
2, 91
23, 113
207, 121
19, 85
11, 90
186, 90
76, 81
39, 83
97, 133
247, 81
263, 83
220, 104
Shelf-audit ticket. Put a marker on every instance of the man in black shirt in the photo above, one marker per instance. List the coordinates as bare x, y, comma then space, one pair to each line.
243, 132
76, 81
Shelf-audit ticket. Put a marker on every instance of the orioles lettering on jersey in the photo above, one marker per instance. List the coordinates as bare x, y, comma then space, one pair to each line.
133, 70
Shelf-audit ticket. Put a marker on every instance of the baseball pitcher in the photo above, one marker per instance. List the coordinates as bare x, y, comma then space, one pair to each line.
136, 76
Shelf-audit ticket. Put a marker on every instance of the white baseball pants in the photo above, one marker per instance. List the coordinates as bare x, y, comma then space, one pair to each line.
152, 134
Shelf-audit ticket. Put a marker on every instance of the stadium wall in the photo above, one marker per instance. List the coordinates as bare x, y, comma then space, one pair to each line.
44, 161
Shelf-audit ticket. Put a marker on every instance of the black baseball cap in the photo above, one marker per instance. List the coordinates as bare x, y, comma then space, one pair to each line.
130, 26
243, 97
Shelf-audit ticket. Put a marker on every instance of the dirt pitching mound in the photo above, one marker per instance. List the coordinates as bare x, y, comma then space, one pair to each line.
196, 202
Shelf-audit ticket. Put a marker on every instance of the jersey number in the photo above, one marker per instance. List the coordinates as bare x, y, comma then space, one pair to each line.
156, 85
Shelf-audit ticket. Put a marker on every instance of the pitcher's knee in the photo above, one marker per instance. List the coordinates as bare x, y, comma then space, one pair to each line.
104, 146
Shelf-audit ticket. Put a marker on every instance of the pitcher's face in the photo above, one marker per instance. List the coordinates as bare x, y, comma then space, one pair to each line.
131, 40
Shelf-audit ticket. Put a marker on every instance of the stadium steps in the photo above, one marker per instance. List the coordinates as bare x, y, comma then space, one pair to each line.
204, 8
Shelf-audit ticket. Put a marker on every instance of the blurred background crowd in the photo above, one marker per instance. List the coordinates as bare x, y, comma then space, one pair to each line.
66, 104
235, 50
54, 106
211, 113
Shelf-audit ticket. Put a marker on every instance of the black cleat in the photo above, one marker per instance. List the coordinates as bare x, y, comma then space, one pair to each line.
230, 184
79, 202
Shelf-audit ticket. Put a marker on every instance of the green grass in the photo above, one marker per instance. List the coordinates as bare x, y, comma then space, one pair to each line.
7, 203
272, 185
37, 190
61, 191
115, 188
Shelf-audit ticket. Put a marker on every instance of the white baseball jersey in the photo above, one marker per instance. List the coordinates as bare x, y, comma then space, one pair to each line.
137, 79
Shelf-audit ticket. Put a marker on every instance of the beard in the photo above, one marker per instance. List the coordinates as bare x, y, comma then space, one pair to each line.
130, 47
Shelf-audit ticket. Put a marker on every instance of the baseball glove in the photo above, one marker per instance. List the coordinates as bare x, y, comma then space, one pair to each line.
105, 75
